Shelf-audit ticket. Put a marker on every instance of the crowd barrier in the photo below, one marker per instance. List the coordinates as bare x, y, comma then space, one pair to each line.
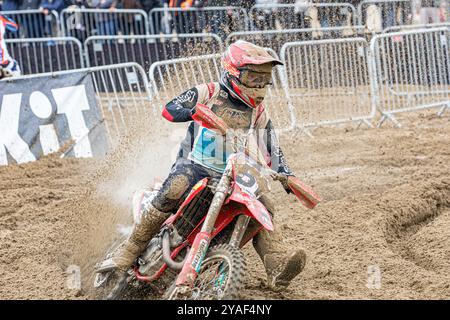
122, 94
293, 16
41, 55
33, 23
324, 81
275, 39
218, 20
170, 78
411, 71
83, 23
278, 102
147, 49
416, 26
328, 81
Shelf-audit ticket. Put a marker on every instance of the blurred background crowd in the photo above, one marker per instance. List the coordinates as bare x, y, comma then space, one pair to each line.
58, 5
50, 18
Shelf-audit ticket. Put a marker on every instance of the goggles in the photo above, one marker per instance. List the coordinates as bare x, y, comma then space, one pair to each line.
253, 79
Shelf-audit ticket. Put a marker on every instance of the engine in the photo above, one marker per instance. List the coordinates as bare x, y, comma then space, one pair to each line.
151, 260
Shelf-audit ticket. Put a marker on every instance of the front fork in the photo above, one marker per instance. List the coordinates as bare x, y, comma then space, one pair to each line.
190, 269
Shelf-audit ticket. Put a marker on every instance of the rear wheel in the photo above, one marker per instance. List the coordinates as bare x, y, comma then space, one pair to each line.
221, 276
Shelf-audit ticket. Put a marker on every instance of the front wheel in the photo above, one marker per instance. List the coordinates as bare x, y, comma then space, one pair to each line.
221, 276
110, 285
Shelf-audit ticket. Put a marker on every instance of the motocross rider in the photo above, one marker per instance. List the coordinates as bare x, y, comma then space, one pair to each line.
237, 98
8, 66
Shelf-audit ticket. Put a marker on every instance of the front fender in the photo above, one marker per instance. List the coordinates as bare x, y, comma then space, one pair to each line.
256, 209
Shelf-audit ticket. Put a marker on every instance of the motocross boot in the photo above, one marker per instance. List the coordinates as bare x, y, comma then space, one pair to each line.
144, 230
281, 268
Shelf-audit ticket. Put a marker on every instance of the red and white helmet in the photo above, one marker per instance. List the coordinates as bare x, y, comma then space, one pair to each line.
248, 71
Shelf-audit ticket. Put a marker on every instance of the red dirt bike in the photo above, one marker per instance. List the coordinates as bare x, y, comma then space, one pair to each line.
196, 254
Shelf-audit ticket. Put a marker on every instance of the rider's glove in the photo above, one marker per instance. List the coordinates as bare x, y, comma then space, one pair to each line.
286, 188
284, 183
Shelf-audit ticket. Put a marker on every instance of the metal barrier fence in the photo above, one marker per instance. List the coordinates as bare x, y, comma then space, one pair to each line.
122, 94
40, 55
279, 103
293, 16
416, 26
328, 81
275, 39
83, 23
377, 15
218, 20
411, 71
170, 78
146, 49
33, 24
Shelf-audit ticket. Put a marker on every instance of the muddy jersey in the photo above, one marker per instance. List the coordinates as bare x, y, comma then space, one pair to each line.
211, 150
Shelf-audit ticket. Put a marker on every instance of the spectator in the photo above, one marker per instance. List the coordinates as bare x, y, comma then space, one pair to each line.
11, 5
246, 4
373, 20
183, 22
75, 24
389, 19
106, 23
266, 18
132, 22
148, 5
46, 7
443, 10
29, 4
219, 22
355, 4
331, 16
33, 24
430, 11
324, 14
77, 4
302, 12
129, 4
386, 14
313, 14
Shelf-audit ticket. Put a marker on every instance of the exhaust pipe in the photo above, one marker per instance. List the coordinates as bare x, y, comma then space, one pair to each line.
166, 254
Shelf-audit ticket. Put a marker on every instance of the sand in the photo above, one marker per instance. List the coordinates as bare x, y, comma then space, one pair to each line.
381, 232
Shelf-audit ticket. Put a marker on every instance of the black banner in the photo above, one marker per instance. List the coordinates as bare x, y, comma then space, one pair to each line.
40, 115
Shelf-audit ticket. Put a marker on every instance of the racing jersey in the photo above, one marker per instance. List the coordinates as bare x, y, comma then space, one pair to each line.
204, 146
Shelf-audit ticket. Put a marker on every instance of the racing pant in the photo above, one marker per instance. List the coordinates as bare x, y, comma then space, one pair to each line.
183, 176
